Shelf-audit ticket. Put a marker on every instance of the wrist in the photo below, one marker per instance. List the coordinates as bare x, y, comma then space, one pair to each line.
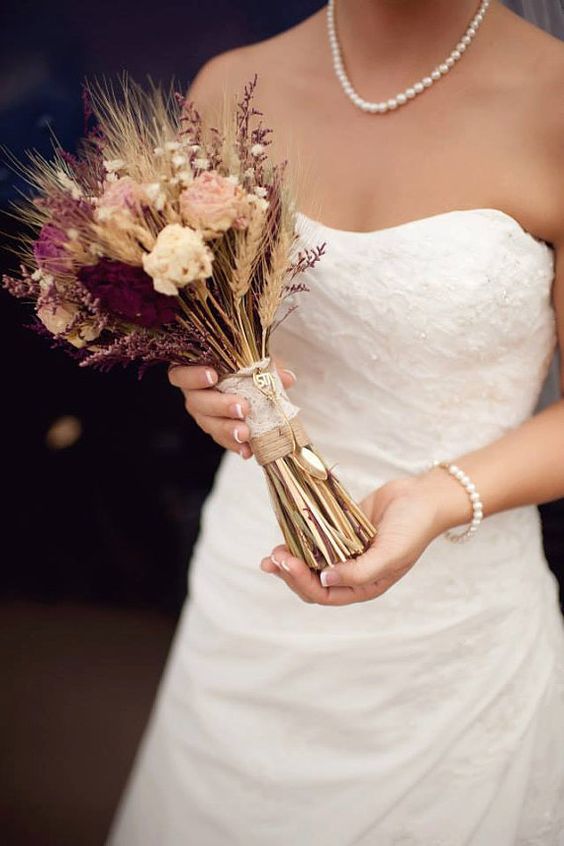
452, 505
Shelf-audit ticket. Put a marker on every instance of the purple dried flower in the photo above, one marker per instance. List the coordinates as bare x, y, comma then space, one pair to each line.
175, 346
49, 250
128, 292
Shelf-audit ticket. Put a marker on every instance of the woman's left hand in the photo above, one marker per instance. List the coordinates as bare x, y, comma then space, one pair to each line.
408, 513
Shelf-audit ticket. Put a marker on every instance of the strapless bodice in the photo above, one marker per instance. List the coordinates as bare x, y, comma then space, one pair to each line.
426, 339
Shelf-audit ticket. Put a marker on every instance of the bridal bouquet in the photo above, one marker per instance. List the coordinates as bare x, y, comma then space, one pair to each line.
166, 240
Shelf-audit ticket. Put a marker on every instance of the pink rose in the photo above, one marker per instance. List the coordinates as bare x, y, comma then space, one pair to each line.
123, 195
214, 204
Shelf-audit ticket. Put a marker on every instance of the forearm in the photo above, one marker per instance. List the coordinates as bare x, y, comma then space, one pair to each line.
524, 467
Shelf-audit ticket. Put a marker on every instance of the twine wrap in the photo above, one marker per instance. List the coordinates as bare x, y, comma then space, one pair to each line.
270, 435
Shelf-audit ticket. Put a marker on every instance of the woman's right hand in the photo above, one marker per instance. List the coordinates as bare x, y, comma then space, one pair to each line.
220, 415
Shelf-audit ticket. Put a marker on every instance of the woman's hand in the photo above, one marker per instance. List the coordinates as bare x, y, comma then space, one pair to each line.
220, 415
408, 513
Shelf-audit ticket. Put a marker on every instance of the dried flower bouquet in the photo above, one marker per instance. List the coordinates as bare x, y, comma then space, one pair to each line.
166, 240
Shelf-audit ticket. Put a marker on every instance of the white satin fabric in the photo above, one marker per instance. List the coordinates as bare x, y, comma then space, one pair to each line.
434, 715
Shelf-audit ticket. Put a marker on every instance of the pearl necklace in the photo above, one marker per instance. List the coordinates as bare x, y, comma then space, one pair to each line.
411, 92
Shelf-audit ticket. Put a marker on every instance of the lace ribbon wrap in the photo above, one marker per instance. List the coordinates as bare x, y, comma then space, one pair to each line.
272, 418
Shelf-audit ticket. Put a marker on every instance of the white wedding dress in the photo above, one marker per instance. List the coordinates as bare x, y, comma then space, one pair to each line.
433, 715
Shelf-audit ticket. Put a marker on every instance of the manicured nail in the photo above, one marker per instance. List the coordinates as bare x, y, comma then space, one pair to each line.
237, 410
291, 372
330, 576
211, 377
237, 437
280, 564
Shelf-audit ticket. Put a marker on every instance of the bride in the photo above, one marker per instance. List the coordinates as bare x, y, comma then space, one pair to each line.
414, 696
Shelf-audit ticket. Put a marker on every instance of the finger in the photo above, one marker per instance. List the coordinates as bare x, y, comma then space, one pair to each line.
302, 579
333, 596
191, 377
306, 583
216, 404
281, 559
267, 565
287, 377
245, 451
374, 565
228, 435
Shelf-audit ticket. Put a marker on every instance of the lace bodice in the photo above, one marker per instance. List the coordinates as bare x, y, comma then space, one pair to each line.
445, 322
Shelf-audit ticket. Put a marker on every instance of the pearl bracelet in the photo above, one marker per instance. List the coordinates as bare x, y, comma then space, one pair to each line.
477, 507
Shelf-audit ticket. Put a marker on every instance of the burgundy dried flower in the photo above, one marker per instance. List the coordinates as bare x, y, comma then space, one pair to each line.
128, 292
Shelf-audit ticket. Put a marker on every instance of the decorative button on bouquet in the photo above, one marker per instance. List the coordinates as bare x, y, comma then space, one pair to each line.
167, 240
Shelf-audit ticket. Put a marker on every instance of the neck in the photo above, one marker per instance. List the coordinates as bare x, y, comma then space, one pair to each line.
407, 35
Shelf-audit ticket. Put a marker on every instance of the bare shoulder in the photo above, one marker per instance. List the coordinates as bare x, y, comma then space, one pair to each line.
537, 60
277, 61
524, 34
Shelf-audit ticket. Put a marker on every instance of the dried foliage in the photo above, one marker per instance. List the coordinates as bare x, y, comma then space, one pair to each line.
168, 240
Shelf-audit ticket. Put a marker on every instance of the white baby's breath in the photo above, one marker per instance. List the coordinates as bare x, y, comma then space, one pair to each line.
113, 165
258, 202
201, 164
185, 177
257, 149
260, 191
46, 280
172, 146
232, 178
158, 151
69, 184
103, 213
179, 160
156, 195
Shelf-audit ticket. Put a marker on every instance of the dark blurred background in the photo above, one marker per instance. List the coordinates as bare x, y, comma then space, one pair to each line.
104, 475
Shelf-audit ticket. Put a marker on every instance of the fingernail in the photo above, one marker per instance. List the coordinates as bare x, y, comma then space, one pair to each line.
210, 376
237, 437
292, 374
237, 410
280, 564
329, 576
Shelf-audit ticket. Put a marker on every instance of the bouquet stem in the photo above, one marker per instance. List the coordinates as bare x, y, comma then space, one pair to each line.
320, 522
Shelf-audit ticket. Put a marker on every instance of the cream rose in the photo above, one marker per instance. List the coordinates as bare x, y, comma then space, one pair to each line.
180, 256
58, 318
214, 204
